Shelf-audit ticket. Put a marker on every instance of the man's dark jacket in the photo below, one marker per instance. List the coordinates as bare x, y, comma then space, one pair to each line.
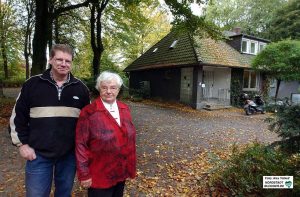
45, 119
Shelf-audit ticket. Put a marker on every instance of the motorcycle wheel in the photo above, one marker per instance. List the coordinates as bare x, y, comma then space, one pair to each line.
248, 111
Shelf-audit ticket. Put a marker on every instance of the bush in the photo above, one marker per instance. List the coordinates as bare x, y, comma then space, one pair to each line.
90, 83
13, 82
286, 122
243, 173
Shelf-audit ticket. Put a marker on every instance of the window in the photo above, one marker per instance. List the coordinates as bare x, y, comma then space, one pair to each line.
244, 46
295, 98
262, 46
250, 79
173, 44
253, 47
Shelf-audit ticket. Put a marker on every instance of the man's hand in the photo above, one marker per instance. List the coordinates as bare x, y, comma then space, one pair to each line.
86, 183
27, 152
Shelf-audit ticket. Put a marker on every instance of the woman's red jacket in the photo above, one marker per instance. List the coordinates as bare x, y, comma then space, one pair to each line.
105, 151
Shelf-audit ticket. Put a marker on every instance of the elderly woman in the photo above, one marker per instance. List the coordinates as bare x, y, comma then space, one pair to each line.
105, 141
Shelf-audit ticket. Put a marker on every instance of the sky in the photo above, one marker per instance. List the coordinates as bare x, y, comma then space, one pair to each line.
196, 9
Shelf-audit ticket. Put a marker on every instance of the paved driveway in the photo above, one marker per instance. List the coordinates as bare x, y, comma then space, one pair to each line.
177, 130
164, 136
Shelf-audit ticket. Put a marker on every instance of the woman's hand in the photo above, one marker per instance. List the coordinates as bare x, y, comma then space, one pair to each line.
86, 183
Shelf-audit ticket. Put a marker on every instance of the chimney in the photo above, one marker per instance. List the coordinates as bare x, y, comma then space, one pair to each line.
237, 30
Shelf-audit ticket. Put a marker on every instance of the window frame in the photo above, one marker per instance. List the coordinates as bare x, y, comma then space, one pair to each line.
247, 45
258, 46
257, 79
255, 47
261, 44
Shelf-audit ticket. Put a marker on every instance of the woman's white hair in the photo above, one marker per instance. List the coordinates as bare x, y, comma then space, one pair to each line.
108, 76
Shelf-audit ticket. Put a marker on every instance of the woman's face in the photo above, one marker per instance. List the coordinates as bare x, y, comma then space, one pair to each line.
109, 90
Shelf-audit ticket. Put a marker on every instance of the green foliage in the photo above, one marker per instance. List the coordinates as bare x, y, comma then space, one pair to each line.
184, 19
243, 173
16, 73
90, 81
251, 16
10, 42
285, 23
139, 93
280, 60
286, 123
128, 31
14, 82
134, 30
235, 92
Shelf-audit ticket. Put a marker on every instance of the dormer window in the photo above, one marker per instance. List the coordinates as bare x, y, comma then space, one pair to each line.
244, 46
154, 50
173, 44
252, 46
262, 46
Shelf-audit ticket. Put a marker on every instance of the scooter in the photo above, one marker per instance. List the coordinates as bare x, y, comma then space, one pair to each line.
256, 106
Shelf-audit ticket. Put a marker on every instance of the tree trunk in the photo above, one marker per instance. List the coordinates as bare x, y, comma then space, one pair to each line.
26, 55
1, 89
4, 56
29, 5
96, 40
2, 42
44, 16
27, 48
40, 37
277, 88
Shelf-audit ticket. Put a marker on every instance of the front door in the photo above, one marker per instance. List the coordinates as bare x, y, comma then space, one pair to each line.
208, 79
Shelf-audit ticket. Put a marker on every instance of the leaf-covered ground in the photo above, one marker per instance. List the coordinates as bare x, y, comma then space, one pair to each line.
176, 148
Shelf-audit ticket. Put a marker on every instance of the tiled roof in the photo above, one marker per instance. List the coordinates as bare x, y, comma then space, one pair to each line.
190, 51
213, 52
182, 54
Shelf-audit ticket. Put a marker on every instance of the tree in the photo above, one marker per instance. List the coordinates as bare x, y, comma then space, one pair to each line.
280, 60
127, 32
5, 25
134, 30
9, 38
25, 22
45, 13
48, 10
251, 16
286, 123
285, 23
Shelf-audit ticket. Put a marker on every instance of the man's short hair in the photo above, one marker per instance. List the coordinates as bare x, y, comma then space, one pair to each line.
61, 47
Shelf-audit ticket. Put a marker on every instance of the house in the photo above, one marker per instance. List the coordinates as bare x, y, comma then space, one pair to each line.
286, 89
199, 72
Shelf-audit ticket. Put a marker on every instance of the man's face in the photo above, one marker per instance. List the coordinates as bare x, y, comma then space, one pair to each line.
61, 63
109, 91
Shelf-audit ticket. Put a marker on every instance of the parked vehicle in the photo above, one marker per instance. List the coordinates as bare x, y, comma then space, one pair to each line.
257, 105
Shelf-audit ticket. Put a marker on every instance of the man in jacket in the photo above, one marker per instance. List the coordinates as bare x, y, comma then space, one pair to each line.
43, 125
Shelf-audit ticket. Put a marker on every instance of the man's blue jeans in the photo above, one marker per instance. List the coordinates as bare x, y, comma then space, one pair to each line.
41, 171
